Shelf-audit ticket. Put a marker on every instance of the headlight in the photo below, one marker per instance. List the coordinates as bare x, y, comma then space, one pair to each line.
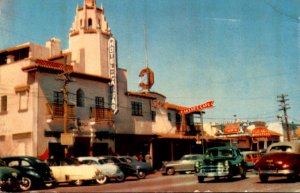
14, 174
226, 163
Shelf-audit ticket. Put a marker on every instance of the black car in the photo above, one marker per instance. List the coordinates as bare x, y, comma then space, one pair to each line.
126, 168
10, 178
36, 173
143, 168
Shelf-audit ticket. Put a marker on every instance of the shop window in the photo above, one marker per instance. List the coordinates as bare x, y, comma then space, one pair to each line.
136, 108
80, 98
99, 102
3, 104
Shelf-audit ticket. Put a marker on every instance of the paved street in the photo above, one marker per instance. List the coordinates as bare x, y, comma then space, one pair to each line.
186, 183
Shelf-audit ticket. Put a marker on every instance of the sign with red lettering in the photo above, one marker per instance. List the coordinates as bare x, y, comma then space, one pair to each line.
208, 104
261, 132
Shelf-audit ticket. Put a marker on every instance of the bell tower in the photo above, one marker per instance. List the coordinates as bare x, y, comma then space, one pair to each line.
88, 40
90, 3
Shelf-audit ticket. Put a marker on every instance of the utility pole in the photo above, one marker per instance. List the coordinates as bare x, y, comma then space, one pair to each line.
65, 76
284, 107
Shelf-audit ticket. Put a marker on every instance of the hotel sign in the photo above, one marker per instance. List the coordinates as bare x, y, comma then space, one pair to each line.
112, 67
208, 104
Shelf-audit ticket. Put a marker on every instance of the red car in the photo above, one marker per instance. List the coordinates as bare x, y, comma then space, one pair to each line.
281, 159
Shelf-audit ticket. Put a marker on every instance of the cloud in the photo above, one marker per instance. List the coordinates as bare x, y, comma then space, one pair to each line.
226, 19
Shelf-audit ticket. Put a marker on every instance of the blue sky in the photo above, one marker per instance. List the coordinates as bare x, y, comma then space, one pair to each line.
239, 53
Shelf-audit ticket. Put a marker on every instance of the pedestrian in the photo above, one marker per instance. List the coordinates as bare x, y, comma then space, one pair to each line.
148, 158
140, 157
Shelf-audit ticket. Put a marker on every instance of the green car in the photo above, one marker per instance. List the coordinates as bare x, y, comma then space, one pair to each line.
10, 178
224, 161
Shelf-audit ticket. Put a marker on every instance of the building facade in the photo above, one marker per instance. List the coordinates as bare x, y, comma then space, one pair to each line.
103, 116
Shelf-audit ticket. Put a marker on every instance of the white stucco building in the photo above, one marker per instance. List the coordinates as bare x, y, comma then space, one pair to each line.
103, 116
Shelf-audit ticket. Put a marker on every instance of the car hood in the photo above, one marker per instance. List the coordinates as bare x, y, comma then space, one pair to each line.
216, 160
171, 162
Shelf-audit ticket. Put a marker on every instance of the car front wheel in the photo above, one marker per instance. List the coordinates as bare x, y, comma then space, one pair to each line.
141, 174
263, 178
200, 179
243, 173
170, 171
26, 184
101, 180
120, 178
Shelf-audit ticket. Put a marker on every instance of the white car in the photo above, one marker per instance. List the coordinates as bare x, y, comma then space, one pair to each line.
72, 171
109, 171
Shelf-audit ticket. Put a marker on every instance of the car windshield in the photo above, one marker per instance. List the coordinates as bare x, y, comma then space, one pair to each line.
220, 153
281, 148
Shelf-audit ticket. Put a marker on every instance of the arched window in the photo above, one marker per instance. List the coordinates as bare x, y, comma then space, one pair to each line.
80, 98
90, 23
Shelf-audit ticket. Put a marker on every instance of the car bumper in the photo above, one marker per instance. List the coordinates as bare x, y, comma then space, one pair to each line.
115, 175
276, 172
10, 185
213, 174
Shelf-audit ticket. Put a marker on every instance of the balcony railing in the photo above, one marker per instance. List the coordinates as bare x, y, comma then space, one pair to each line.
57, 110
101, 114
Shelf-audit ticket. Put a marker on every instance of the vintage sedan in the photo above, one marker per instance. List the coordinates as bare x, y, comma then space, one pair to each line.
70, 170
281, 159
110, 171
10, 178
185, 164
224, 161
127, 169
36, 173
143, 168
251, 158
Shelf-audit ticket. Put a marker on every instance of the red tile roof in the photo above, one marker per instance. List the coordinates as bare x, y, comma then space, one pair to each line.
55, 66
48, 65
141, 94
173, 106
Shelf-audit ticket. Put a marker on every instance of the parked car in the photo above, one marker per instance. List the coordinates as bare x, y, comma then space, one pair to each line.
110, 171
185, 164
36, 173
10, 178
281, 159
70, 170
251, 158
225, 161
127, 169
142, 168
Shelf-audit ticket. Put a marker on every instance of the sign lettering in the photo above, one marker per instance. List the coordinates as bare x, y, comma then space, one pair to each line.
208, 104
112, 65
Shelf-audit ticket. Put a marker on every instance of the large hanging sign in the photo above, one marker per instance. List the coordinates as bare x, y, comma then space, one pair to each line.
261, 132
208, 104
112, 67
